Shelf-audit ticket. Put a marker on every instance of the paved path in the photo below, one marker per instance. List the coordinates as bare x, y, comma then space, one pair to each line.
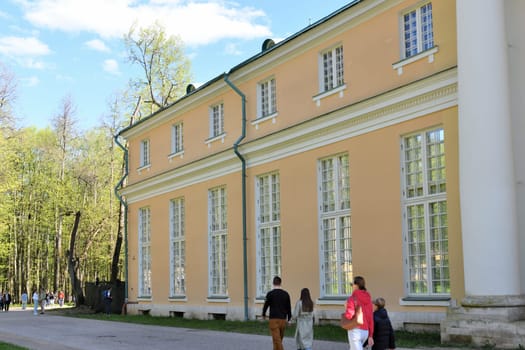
52, 332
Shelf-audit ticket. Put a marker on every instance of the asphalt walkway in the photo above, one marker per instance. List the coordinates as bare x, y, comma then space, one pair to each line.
52, 332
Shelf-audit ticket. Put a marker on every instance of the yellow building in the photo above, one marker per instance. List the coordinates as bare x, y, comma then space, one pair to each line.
357, 146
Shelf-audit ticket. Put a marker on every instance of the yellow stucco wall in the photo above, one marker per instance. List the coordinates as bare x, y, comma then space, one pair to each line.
370, 49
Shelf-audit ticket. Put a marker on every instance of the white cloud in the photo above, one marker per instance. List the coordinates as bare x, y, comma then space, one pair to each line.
30, 81
22, 46
97, 45
232, 49
196, 22
111, 66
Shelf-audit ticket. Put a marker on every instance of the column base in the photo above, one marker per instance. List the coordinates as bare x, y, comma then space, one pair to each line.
497, 321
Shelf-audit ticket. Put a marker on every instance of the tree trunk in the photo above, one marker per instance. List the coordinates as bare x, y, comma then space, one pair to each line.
72, 264
118, 245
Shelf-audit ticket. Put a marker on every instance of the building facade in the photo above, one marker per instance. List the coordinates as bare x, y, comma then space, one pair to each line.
380, 141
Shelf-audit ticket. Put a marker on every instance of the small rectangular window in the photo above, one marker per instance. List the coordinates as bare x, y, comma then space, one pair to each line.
418, 33
217, 120
144, 153
177, 138
267, 98
331, 69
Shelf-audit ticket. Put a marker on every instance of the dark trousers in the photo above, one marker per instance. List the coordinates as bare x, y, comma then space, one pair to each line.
107, 306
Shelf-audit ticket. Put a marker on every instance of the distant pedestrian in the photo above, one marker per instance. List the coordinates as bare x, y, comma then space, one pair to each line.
24, 300
383, 332
35, 302
278, 300
303, 313
7, 300
42, 298
61, 298
108, 298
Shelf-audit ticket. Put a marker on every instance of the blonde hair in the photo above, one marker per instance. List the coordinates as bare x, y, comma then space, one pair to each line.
380, 302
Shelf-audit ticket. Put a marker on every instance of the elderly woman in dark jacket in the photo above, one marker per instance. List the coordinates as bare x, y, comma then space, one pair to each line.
383, 331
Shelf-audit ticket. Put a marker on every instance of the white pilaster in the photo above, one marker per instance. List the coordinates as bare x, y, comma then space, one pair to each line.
487, 182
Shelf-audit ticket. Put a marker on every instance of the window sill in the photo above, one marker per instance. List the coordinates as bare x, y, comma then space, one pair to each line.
339, 89
259, 120
215, 138
144, 168
144, 298
331, 301
425, 301
179, 154
427, 53
177, 298
218, 299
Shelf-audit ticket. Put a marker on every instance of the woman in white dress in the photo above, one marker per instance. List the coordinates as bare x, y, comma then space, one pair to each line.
303, 313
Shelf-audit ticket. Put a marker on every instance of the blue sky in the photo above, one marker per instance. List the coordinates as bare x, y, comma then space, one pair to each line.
58, 48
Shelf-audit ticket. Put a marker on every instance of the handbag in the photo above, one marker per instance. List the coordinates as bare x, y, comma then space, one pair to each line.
355, 321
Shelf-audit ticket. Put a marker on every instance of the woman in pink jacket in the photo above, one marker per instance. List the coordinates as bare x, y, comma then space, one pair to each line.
360, 296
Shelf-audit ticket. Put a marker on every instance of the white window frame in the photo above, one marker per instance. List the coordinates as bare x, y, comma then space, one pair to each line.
177, 139
331, 69
422, 50
267, 99
177, 248
268, 224
144, 253
144, 153
216, 120
417, 18
425, 216
335, 236
217, 243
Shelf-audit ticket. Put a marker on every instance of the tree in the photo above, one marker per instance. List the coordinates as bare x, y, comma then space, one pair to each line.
165, 68
7, 96
64, 124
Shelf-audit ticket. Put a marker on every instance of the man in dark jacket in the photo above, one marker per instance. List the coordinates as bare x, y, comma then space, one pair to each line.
278, 300
7, 300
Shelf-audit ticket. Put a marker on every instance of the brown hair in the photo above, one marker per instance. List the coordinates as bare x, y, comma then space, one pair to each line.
306, 300
379, 302
360, 282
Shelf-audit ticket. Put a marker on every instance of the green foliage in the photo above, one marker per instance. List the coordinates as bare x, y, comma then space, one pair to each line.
47, 176
165, 70
7, 346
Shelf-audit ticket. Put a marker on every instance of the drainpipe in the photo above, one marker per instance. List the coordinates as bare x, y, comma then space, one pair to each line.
243, 162
123, 202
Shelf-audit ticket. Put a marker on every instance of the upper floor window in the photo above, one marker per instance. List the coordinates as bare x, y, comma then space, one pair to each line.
266, 98
176, 138
144, 153
425, 214
216, 120
331, 69
418, 35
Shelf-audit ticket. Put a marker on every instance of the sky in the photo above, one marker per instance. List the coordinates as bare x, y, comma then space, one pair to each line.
59, 48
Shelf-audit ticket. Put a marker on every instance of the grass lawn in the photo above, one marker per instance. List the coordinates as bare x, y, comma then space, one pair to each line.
6, 346
321, 332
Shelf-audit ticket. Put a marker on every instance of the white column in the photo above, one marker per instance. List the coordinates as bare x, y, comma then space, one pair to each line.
486, 172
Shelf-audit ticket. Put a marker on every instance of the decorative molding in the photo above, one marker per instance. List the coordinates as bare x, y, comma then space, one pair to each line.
423, 97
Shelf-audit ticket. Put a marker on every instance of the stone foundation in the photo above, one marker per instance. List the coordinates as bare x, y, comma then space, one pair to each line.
497, 321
